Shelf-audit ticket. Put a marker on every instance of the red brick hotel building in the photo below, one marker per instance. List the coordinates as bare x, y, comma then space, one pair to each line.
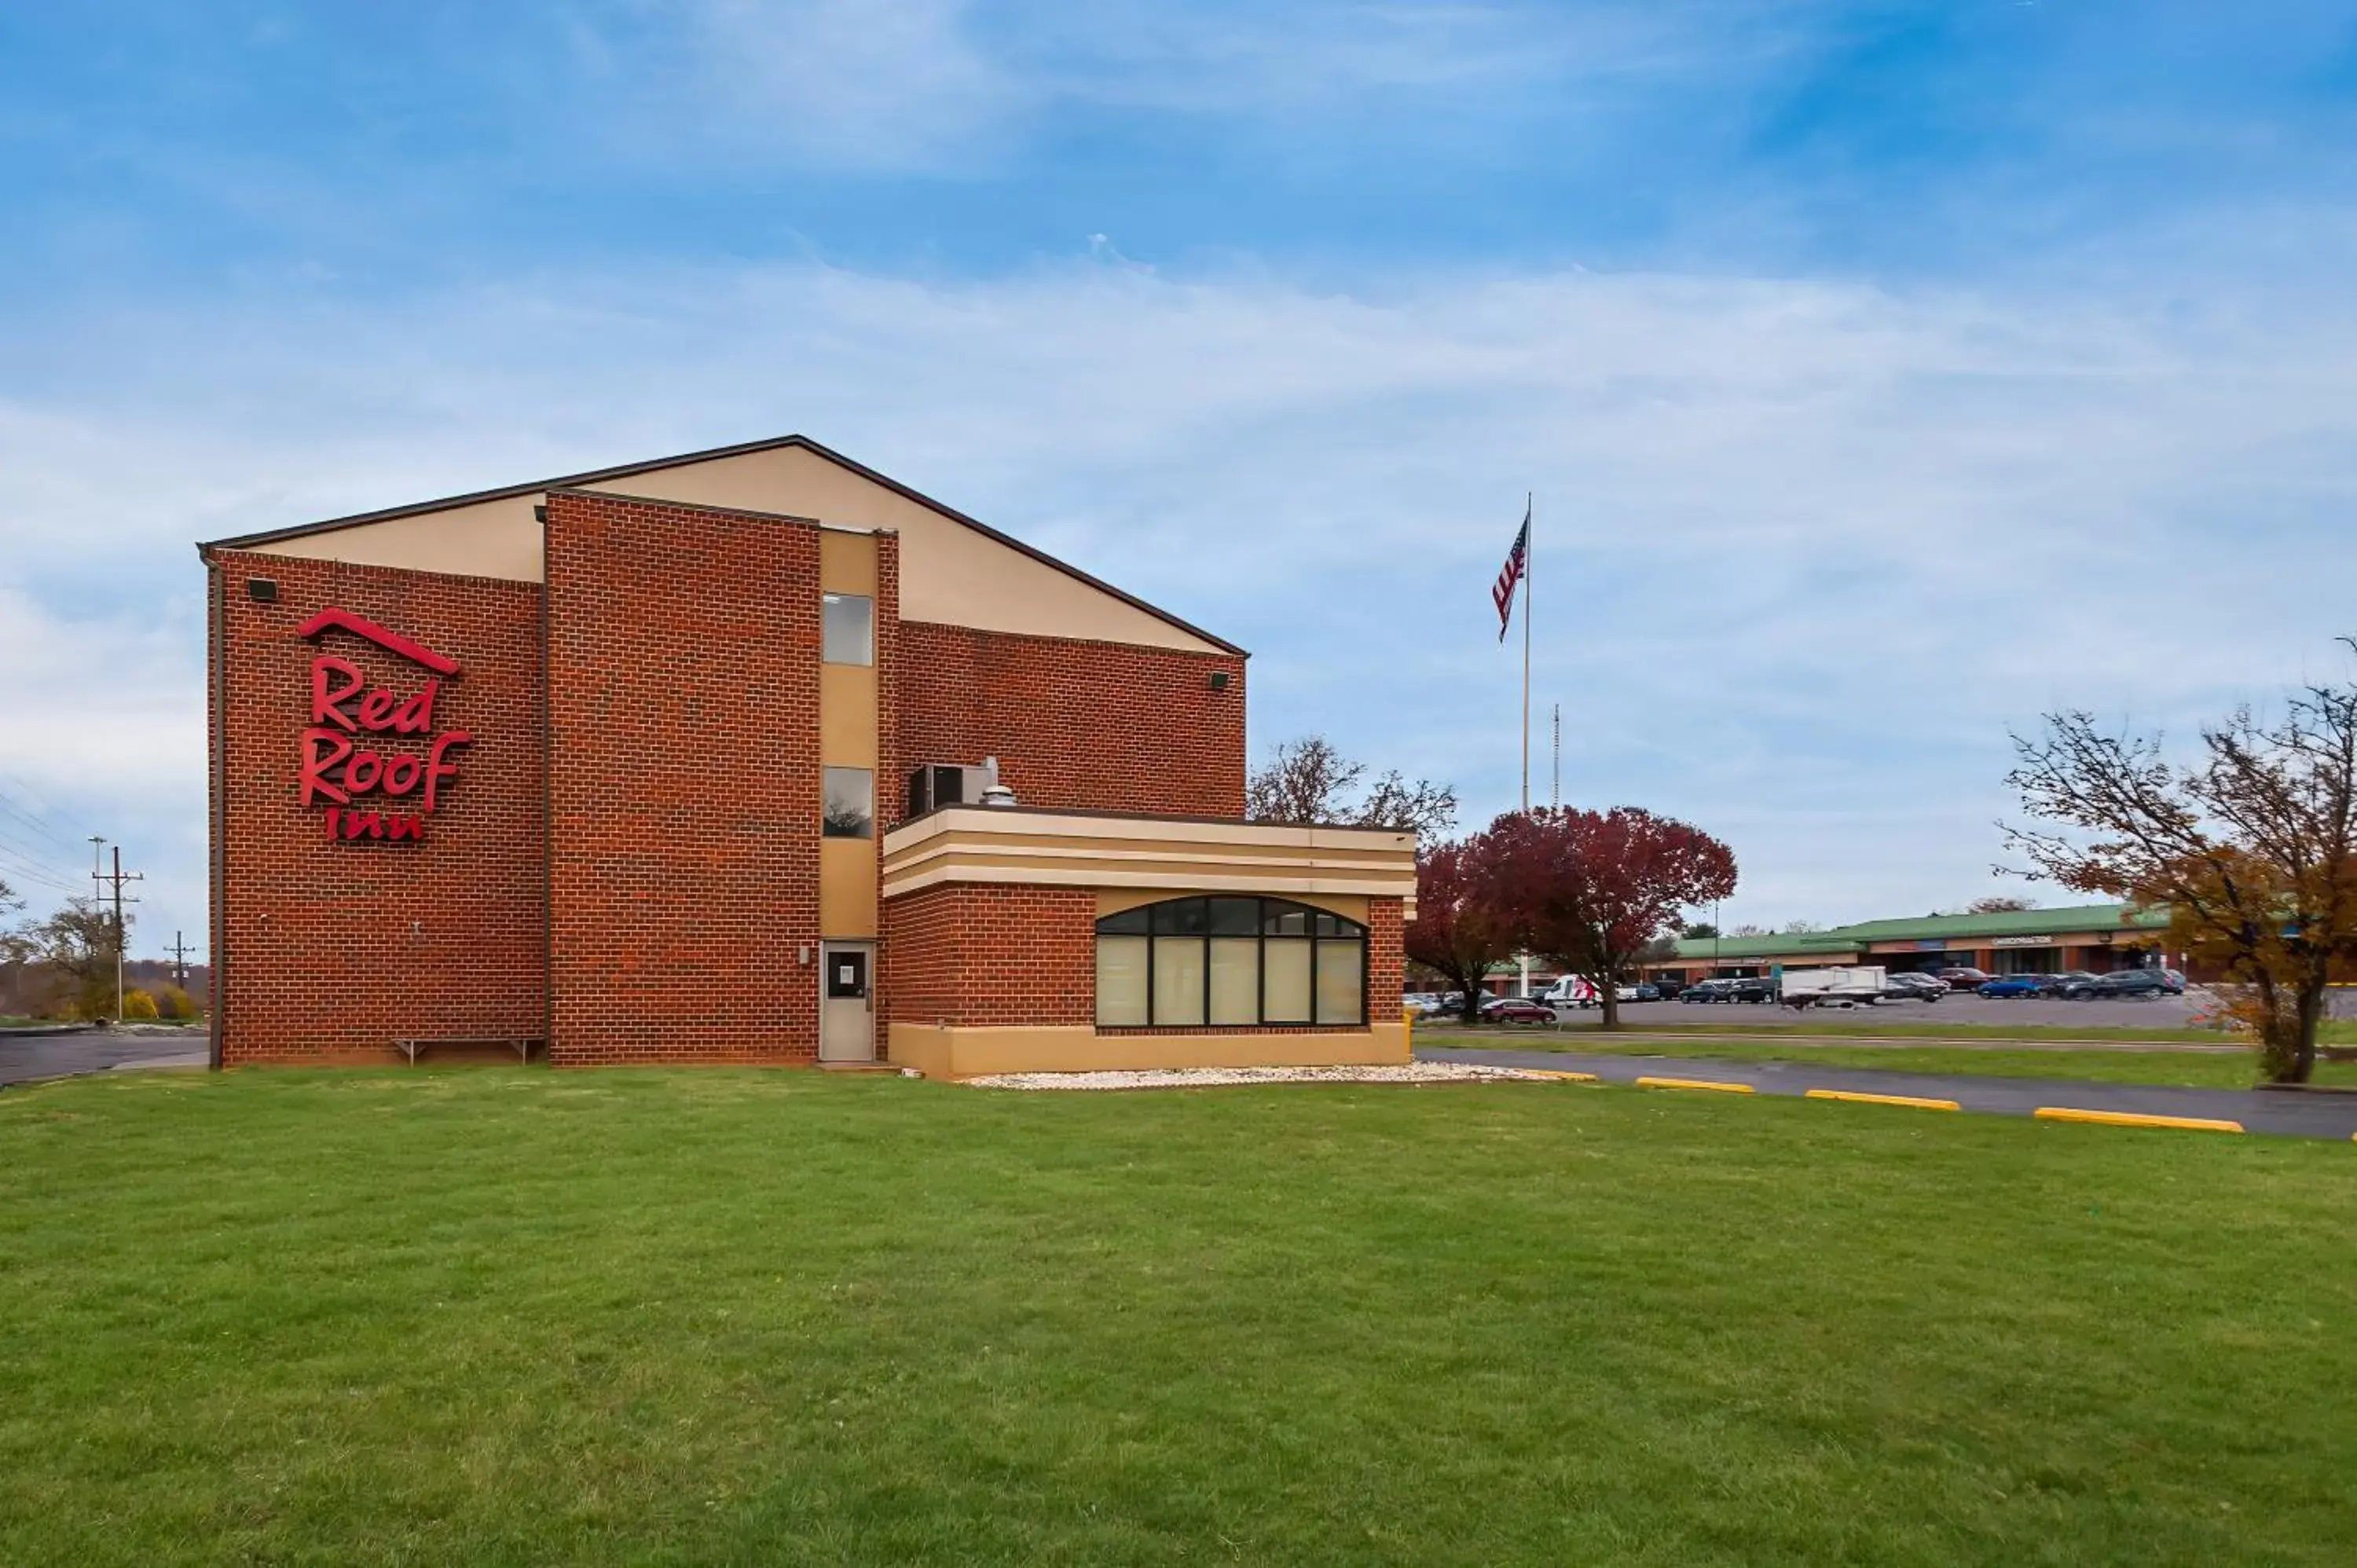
684, 761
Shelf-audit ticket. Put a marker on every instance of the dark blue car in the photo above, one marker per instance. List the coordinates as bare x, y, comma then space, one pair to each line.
2013, 985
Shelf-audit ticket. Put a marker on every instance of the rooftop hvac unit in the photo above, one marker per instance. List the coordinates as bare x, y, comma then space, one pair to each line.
937, 785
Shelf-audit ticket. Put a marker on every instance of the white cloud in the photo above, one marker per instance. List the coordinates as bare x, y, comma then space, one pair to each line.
1807, 548
947, 86
102, 731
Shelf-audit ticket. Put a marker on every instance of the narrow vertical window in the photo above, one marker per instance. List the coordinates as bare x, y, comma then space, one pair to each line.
850, 810
1121, 980
848, 621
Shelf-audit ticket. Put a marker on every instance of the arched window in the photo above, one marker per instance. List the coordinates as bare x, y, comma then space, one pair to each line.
1234, 960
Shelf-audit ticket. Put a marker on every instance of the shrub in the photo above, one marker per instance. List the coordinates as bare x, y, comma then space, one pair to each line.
174, 1003
138, 1004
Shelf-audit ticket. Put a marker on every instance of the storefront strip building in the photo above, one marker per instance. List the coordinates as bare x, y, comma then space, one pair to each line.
2096, 938
682, 761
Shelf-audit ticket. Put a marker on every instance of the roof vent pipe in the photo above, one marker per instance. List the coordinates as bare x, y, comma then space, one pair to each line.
993, 793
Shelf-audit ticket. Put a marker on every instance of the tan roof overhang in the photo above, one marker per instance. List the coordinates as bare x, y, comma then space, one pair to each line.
1121, 850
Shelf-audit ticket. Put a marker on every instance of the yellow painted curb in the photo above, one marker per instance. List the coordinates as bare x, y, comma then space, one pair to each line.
1857, 1099
1695, 1083
1559, 1076
2132, 1119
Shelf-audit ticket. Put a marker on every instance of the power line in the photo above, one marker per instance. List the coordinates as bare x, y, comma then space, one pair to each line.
31, 817
32, 877
31, 854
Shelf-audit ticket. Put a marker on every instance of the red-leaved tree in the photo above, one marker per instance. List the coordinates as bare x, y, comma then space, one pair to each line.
1590, 889
1458, 928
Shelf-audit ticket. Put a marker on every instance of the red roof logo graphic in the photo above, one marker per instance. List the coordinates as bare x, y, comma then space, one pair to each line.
393, 642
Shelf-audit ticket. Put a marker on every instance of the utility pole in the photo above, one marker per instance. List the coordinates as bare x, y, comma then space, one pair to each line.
117, 877
180, 950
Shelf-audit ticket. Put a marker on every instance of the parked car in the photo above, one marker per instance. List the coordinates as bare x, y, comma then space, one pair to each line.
2144, 983
1753, 990
1911, 986
2014, 985
1516, 1010
1647, 991
2073, 983
1706, 991
1963, 977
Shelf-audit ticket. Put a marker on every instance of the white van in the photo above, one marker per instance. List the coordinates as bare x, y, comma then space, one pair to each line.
1572, 991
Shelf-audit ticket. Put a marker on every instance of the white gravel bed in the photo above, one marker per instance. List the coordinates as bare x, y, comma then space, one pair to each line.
1216, 1076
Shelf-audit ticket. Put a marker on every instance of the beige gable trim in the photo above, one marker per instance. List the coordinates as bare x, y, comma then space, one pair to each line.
955, 571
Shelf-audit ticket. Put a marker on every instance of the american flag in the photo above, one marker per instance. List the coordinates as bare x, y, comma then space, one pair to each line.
1519, 557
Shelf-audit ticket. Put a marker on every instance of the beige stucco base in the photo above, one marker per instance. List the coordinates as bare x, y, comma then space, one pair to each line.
945, 1051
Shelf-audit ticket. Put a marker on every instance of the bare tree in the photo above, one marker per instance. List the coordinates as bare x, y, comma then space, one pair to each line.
1308, 780
1423, 807
2252, 847
76, 947
2000, 903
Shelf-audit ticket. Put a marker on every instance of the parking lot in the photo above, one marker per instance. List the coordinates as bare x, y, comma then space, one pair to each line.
1961, 1009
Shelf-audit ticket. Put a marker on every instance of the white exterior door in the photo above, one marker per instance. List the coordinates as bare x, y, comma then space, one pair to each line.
846, 1002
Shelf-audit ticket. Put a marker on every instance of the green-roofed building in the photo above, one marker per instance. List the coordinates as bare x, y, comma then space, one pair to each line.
2096, 937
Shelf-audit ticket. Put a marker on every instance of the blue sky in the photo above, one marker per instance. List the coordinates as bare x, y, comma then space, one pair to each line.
1886, 373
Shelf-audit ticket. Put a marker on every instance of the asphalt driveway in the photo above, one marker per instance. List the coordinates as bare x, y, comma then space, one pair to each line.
2289, 1114
29, 1058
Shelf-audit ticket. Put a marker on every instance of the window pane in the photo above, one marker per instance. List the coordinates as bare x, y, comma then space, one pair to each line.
1179, 918
850, 803
1235, 979
849, 623
1338, 965
1121, 980
1128, 923
1287, 921
1178, 980
1286, 998
1235, 917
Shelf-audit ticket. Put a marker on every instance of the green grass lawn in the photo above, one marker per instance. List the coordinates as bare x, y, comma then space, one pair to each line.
516, 1316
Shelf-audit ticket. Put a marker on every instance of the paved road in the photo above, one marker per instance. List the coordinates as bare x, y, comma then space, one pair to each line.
28, 1059
2259, 1111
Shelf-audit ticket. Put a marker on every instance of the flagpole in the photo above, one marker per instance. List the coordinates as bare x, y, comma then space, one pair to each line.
1529, 550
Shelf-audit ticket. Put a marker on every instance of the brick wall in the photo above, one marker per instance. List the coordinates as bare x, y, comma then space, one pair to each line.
1094, 726
684, 655
1387, 960
979, 954
331, 950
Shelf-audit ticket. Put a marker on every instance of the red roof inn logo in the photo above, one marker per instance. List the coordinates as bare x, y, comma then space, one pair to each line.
345, 710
